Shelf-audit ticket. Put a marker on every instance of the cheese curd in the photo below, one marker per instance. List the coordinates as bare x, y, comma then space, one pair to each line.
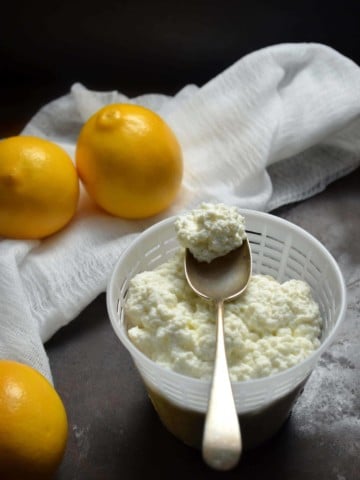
270, 328
211, 231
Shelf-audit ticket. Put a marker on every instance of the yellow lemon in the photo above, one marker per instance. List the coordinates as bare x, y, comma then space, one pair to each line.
39, 187
129, 161
33, 424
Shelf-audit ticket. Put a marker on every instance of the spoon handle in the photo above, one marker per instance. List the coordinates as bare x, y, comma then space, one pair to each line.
221, 447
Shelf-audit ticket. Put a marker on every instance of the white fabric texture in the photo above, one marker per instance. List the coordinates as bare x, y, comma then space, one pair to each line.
276, 127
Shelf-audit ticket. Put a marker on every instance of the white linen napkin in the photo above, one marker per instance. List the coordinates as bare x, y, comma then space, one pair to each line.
275, 127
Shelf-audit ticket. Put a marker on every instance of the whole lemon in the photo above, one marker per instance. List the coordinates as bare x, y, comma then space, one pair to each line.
39, 187
33, 424
129, 160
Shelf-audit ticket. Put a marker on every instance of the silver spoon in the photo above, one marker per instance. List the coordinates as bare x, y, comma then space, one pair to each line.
224, 278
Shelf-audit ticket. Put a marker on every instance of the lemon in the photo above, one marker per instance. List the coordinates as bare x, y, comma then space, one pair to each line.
129, 161
39, 187
33, 424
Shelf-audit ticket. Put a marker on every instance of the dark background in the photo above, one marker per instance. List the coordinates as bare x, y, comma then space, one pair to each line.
159, 46
144, 46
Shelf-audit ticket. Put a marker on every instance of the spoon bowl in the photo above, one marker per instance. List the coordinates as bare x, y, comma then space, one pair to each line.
224, 278
220, 280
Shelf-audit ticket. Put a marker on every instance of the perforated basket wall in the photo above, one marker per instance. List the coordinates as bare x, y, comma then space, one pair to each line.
279, 248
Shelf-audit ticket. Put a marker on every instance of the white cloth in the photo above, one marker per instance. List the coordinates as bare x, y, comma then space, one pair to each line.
275, 127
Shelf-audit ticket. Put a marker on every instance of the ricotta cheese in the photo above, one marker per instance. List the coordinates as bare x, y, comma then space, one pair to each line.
210, 231
269, 328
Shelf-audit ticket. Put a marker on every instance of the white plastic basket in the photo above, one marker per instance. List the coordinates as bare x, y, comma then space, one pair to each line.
279, 248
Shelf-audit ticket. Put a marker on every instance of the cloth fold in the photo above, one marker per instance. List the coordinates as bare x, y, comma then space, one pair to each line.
276, 127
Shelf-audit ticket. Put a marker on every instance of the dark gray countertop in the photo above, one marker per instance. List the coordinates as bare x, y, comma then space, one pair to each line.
115, 432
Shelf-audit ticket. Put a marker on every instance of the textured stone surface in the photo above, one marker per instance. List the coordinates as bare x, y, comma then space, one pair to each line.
115, 433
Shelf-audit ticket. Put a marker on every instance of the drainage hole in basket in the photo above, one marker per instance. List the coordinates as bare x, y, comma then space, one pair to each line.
274, 258
155, 261
152, 250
